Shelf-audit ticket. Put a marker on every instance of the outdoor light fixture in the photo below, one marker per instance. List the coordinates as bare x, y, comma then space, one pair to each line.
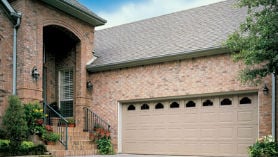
265, 89
35, 73
89, 85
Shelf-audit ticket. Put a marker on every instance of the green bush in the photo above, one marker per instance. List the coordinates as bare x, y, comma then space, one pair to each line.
26, 148
102, 139
38, 150
34, 117
264, 147
104, 146
15, 124
4, 145
51, 136
3, 134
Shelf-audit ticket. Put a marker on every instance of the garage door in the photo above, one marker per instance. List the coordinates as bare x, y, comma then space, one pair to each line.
209, 126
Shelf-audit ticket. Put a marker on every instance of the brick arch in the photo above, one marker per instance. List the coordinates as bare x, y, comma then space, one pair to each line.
71, 28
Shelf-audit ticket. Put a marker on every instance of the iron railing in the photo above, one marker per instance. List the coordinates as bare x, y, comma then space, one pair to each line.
93, 121
58, 122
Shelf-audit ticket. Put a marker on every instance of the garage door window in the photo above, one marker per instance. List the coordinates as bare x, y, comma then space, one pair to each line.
190, 104
226, 101
131, 108
145, 107
174, 105
159, 106
245, 100
208, 103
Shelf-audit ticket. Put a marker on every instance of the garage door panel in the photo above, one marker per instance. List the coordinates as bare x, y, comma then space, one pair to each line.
245, 132
218, 130
227, 117
226, 132
227, 148
242, 148
210, 117
208, 148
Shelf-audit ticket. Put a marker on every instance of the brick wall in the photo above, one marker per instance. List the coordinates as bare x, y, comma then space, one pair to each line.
6, 40
36, 15
212, 74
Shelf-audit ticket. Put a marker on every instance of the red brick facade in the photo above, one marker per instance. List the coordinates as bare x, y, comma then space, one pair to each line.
196, 76
36, 16
6, 40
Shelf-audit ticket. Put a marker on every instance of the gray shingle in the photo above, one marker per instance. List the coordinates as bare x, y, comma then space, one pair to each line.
180, 32
78, 5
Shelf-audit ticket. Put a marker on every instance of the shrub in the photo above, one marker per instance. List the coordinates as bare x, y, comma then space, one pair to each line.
103, 141
38, 150
264, 147
14, 122
34, 117
4, 145
26, 147
104, 146
51, 136
3, 134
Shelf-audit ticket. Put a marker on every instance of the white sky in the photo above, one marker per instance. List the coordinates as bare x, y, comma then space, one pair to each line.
134, 11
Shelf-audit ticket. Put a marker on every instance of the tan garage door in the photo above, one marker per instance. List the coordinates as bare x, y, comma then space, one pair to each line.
209, 126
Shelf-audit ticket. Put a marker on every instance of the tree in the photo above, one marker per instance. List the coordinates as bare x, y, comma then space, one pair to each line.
15, 123
256, 41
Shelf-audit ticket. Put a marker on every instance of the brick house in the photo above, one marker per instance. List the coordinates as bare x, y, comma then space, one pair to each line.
165, 85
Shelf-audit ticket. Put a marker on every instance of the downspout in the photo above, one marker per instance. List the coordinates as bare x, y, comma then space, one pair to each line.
273, 105
16, 26
16, 20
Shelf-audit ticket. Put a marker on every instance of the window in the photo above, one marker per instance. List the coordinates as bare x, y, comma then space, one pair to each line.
159, 106
145, 107
131, 108
190, 104
66, 92
245, 100
208, 103
174, 105
226, 101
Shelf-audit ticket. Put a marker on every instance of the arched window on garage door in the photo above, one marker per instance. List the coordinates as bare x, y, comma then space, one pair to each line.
190, 104
226, 101
131, 108
159, 106
145, 107
174, 105
245, 100
208, 103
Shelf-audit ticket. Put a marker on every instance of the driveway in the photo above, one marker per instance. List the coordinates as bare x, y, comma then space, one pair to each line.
131, 155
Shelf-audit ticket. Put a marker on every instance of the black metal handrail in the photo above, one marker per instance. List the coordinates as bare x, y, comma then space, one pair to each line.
92, 121
59, 123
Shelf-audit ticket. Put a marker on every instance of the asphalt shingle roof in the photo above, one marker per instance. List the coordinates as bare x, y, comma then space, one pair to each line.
181, 32
80, 6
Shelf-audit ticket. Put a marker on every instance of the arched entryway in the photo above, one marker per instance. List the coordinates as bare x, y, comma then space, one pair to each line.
59, 68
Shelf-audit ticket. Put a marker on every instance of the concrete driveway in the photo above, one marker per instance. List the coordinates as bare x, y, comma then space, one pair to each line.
131, 155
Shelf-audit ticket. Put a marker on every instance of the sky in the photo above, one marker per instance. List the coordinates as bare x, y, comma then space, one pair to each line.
118, 12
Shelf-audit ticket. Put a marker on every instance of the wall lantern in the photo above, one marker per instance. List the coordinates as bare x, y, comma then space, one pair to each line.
89, 85
35, 73
265, 89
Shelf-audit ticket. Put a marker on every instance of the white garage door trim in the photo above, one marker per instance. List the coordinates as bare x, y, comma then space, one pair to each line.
120, 120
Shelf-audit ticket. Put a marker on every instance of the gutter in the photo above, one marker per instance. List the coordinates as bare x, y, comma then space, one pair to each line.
74, 11
157, 59
16, 20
